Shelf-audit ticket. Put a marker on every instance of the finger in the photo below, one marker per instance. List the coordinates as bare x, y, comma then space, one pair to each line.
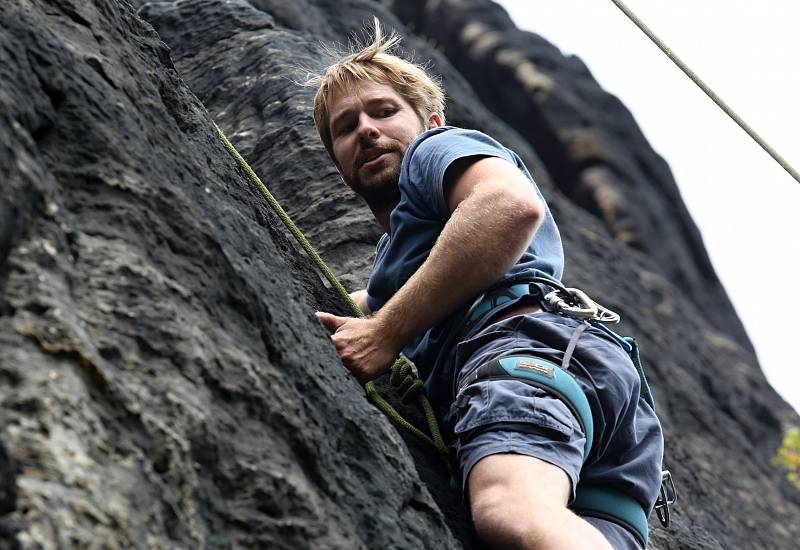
339, 342
330, 322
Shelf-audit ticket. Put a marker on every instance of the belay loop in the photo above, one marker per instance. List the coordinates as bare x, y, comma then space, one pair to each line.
402, 370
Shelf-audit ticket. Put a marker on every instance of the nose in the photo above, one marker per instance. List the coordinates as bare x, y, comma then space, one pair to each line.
367, 129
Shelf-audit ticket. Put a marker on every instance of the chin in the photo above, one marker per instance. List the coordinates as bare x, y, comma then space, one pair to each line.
387, 176
380, 190
385, 179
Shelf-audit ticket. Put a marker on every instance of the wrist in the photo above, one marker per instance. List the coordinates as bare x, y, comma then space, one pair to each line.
389, 328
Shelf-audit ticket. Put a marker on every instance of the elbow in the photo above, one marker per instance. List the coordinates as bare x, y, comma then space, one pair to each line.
530, 213
535, 212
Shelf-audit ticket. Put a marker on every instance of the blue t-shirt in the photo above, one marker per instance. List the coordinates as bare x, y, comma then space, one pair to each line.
422, 213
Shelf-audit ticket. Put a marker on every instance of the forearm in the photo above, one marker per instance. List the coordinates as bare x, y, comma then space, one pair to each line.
483, 239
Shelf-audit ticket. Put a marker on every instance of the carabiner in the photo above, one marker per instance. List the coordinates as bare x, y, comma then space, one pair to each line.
667, 496
580, 306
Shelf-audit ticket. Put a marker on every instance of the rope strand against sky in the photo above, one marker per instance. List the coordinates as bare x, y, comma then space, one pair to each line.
709, 92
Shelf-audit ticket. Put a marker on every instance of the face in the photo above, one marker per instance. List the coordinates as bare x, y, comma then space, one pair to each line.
371, 127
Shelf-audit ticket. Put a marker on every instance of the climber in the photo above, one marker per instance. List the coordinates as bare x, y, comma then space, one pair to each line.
463, 218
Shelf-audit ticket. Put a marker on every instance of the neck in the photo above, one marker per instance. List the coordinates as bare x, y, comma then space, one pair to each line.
382, 217
382, 208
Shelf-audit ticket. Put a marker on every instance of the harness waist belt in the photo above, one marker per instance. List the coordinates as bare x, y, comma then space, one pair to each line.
496, 298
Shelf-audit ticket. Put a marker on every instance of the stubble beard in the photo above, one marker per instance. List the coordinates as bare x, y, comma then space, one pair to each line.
381, 191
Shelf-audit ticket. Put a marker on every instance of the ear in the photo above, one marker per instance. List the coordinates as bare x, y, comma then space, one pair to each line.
434, 121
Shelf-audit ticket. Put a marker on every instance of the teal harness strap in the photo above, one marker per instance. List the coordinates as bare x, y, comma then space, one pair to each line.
613, 506
546, 375
600, 502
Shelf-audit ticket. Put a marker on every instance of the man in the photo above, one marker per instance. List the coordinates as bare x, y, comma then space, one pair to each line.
463, 216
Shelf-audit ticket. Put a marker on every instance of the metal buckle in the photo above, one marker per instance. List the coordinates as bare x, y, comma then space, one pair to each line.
666, 498
580, 306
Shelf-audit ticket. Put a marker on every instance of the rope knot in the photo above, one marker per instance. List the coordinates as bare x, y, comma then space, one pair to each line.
405, 380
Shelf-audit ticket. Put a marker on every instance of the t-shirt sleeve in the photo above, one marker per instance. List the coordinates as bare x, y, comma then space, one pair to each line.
431, 157
380, 251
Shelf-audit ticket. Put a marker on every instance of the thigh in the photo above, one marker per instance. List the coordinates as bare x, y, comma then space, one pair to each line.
527, 482
520, 501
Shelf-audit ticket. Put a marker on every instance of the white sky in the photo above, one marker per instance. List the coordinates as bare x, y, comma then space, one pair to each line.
746, 206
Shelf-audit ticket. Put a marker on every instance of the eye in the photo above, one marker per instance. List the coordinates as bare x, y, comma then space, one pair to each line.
344, 127
387, 112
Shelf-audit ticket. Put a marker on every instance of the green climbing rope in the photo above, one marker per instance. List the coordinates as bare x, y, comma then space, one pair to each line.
402, 373
709, 92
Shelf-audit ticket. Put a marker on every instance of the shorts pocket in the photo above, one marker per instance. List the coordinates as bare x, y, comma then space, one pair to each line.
499, 402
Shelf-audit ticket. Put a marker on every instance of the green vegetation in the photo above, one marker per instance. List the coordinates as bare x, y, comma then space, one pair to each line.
788, 456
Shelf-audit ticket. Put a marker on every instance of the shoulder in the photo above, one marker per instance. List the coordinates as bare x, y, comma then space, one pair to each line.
431, 154
433, 151
449, 141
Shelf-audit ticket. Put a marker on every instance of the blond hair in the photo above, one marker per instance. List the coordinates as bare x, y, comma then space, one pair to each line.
375, 63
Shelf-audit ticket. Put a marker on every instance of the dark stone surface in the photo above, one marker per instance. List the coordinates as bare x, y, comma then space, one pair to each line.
8, 482
163, 381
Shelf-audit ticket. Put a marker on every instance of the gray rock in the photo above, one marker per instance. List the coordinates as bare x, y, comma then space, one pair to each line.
163, 381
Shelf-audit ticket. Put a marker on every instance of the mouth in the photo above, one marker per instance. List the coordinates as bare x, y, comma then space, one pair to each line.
373, 158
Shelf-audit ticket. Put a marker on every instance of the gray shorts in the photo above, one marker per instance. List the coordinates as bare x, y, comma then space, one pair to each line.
509, 416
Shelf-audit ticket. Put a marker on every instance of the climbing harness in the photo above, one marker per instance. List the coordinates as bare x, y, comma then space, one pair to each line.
707, 89
403, 375
596, 501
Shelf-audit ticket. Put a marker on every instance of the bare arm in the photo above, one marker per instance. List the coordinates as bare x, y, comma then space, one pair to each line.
495, 213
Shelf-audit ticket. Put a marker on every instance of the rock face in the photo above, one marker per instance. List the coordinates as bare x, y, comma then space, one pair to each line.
163, 381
